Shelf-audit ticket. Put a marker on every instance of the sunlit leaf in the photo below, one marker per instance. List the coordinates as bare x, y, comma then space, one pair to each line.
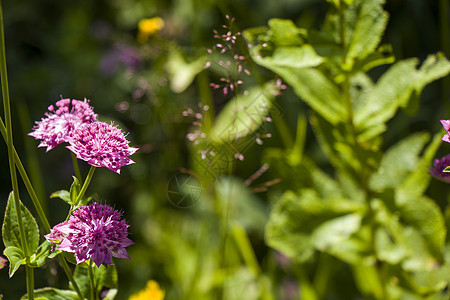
243, 114
10, 230
16, 258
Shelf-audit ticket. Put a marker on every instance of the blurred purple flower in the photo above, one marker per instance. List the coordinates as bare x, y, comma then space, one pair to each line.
93, 232
59, 124
102, 145
439, 166
3, 262
121, 54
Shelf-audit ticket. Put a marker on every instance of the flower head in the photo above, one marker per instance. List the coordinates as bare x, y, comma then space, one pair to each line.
93, 232
59, 124
151, 292
148, 27
439, 166
102, 145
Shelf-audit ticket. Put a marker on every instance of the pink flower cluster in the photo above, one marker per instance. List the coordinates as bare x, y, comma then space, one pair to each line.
444, 162
74, 122
93, 232
59, 124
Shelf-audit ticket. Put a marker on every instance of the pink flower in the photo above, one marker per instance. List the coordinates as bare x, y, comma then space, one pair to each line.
439, 166
92, 232
3, 262
102, 145
59, 124
446, 125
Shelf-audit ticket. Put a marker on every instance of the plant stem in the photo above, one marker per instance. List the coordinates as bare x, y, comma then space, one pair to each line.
86, 184
69, 275
75, 166
92, 294
246, 249
12, 166
26, 180
30, 280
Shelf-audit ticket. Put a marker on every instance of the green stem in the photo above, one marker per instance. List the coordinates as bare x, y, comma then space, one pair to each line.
75, 166
69, 275
86, 184
26, 180
92, 295
246, 249
9, 142
30, 280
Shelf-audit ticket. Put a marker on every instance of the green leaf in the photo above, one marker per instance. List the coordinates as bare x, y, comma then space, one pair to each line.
43, 251
425, 216
10, 229
398, 162
53, 294
294, 57
367, 279
182, 73
16, 258
252, 214
63, 195
417, 182
243, 114
313, 87
105, 277
395, 87
366, 33
298, 225
75, 189
284, 33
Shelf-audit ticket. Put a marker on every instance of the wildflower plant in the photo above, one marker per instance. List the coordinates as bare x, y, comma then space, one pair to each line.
93, 233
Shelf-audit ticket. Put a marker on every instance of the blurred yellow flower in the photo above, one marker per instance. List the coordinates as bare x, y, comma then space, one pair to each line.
151, 292
148, 27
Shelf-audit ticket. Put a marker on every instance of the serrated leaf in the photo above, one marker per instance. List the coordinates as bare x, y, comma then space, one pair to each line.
313, 87
63, 195
295, 222
394, 89
425, 216
10, 228
243, 115
53, 294
398, 162
417, 182
16, 258
294, 57
366, 33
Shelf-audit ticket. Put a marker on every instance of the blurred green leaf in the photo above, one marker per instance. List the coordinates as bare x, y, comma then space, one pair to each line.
394, 89
243, 114
298, 225
425, 216
16, 258
398, 162
248, 209
182, 73
10, 228
53, 294
366, 33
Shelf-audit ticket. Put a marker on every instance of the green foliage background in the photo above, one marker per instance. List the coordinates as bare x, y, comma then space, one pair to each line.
317, 216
